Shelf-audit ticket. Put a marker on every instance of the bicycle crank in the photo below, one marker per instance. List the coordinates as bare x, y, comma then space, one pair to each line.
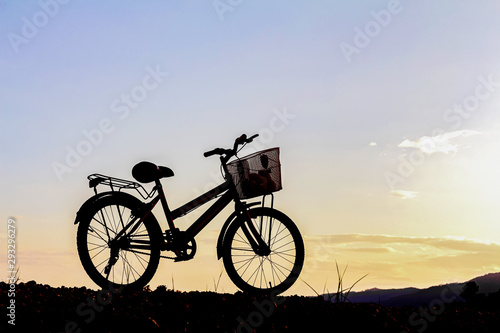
187, 251
183, 245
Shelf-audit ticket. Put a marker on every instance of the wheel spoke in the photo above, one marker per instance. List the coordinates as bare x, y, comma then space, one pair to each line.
286, 259
259, 272
292, 241
137, 253
249, 262
98, 253
96, 230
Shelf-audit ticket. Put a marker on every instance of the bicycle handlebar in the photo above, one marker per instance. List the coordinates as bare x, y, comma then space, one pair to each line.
231, 152
216, 151
250, 139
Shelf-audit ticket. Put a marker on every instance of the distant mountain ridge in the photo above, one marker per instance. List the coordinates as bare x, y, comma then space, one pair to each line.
488, 283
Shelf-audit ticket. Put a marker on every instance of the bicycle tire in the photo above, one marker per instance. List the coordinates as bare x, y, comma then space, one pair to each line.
283, 265
133, 269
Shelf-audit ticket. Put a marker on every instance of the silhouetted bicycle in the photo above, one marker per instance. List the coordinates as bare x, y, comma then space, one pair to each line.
120, 241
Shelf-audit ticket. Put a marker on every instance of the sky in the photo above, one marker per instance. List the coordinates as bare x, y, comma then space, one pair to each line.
386, 113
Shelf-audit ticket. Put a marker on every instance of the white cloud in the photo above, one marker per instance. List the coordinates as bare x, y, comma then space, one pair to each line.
404, 194
439, 143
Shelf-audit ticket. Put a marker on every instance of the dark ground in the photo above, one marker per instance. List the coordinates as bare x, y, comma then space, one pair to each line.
41, 308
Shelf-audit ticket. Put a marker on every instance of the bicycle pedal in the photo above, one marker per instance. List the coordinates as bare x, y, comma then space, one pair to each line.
183, 256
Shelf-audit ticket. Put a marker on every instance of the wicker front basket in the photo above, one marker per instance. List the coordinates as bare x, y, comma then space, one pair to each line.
257, 174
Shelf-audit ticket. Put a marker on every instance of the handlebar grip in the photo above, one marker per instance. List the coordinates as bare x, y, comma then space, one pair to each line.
209, 153
216, 151
231, 152
250, 139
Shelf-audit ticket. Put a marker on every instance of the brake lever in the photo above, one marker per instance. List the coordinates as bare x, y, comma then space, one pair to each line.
242, 139
250, 139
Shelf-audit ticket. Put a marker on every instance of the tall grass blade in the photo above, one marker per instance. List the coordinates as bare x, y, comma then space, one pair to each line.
310, 287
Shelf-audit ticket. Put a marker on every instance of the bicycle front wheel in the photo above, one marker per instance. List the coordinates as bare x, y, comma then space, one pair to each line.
258, 273
128, 260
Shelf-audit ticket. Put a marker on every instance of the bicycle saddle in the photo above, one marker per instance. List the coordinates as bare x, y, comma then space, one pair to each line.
146, 172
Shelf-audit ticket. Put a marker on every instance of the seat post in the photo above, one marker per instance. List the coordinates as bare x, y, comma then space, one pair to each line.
164, 204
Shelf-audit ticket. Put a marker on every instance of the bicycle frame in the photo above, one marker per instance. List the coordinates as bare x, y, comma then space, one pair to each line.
228, 194
206, 217
197, 226
226, 191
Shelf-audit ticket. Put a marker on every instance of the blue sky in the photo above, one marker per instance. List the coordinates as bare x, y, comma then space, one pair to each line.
345, 123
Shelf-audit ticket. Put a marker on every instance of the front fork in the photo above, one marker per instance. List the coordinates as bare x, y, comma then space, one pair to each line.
254, 236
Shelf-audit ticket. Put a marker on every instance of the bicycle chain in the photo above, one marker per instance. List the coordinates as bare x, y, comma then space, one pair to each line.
165, 257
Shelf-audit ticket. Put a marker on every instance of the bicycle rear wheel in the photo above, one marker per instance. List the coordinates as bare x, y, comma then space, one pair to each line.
263, 274
127, 261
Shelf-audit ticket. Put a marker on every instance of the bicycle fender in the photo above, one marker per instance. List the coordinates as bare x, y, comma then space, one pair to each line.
84, 209
220, 240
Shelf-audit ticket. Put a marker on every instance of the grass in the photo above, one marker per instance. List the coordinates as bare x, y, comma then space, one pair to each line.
216, 284
14, 278
342, 294
50, 309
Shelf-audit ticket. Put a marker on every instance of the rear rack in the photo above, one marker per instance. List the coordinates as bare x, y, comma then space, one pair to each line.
117, 183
